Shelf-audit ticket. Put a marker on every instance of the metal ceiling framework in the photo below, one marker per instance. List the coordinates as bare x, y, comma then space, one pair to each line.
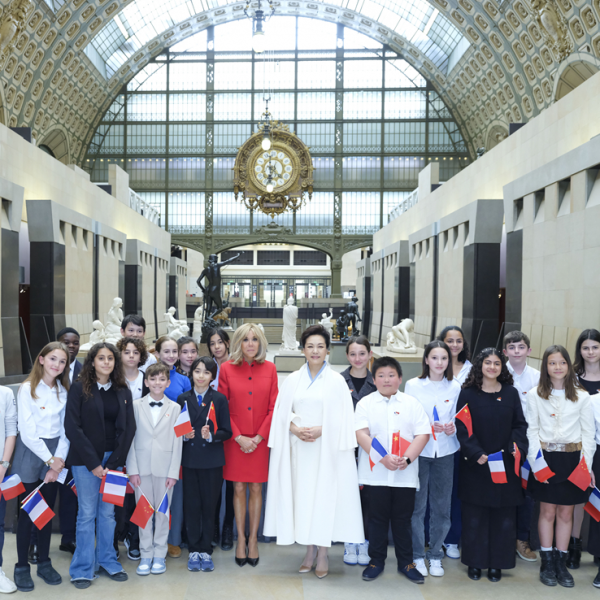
508, 73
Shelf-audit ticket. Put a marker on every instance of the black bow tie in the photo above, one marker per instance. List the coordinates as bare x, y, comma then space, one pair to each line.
156, 403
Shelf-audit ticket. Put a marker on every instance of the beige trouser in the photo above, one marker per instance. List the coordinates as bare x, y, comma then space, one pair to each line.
153, 541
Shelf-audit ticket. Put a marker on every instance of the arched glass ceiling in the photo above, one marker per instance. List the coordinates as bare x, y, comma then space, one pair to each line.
141, 21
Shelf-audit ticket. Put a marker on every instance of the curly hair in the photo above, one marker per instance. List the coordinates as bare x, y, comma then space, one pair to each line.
88, 372
475, 378
139, 344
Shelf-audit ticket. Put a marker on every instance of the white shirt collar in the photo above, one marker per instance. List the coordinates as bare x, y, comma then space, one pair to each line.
381, 398
104, 386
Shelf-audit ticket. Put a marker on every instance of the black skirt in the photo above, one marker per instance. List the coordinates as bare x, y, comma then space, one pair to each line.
593, 545
559, 490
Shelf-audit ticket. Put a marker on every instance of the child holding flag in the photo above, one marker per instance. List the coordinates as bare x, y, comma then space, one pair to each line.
391, 479
492, 441
203, 460
153, 465
437, 391
561, 436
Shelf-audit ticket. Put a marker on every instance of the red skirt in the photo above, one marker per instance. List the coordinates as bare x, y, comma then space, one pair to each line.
246, 468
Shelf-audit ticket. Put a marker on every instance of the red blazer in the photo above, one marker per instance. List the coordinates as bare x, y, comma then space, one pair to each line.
252, 392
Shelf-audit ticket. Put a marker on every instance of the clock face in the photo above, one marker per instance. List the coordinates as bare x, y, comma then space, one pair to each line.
278, 164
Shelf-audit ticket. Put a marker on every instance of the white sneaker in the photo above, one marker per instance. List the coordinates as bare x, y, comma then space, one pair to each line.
435, 567
421, 567
144, 567
363, 554
350, 554
452, 550
6, 585
159, 565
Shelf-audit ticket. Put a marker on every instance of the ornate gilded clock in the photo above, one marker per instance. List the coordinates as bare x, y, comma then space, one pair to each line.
277, 179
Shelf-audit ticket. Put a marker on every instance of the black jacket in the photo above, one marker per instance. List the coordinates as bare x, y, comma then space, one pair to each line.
197, 452
498, 421
84, 427
367, 388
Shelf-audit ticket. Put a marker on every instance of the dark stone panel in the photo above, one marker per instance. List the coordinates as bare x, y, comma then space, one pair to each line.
9, 303
396, 294
172, 284
132, 303
367, 312
382, 302
514, 280
95, 294
481, 284
11, 336
404, 291
121, 279
24, 132
411, 294
47, 293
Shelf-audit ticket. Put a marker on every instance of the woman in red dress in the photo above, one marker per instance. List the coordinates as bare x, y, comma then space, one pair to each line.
249, 382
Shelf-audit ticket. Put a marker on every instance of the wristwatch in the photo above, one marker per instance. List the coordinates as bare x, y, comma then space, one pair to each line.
49, 462
408, 461
5, 464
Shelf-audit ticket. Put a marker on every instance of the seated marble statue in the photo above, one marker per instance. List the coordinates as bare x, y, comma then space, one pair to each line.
326, 322
173, 323
98, 335
115, 318
401, 338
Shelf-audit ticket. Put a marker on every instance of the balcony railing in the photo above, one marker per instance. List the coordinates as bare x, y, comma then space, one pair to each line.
143, 208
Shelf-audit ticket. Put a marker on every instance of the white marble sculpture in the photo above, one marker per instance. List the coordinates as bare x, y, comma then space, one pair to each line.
197, 325
115, 318
176, 328
288, 336
401, 338
98, 335
326, 322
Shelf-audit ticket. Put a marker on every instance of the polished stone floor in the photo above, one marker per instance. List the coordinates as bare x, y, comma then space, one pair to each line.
276, 578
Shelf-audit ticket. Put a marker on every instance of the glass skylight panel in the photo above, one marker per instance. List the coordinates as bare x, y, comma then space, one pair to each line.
275, 74
399, 74
314, 106
186, 212
187, 107
152, 78
281, 106
319, 137
361, 211
196, 42
363, 74
314, 34
187, 76
316, 74
234, 36
362, 105
233, 107
233, 75
147, 107
280, 33
405, 105
356, 40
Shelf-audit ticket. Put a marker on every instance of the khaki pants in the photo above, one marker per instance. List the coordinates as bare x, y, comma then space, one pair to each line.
153, 540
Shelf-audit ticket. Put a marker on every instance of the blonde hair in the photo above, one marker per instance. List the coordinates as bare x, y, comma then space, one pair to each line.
238, 337
37, 371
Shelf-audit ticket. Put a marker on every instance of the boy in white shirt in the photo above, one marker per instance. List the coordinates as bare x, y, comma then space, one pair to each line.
135, 326
393, 481
517, 348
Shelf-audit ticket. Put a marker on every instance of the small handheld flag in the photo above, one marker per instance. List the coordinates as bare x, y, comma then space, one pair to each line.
11, 487
399, 444
38, 510
72, 485
541, 469
114, 488
464, 416
593, 505
163, 507
517, 459
436, 418
581, 475
377, 452
497, 470
212, 416
142, 513
525, 470
183, 425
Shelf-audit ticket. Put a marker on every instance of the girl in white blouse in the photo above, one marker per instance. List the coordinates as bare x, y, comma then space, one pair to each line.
561, 426
41, 450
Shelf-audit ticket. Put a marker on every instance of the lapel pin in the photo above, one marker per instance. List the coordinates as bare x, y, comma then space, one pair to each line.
500, 398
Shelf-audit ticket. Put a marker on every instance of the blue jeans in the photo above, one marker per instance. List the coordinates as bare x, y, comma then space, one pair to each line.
435, 484
455, 532
176, 515
95, 528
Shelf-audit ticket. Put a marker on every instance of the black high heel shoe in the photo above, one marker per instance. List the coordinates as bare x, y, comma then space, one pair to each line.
240, 562
251, 561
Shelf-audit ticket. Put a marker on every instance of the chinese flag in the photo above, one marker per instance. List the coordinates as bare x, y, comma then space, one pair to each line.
212, 415
517, 460
102, 485
142, 513
464, 415
399, 444
581, 475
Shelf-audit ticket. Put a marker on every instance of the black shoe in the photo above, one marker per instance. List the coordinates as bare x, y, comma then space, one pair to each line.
494, 575
119, 576
372, 572
240, 562
216, 535
34, 554
563, 576
474, 573
574, 553
133, 548
547, 569
116, 545
596, 582
70, 547
227, 538
411, 573
22, 577
81, 584
48, 573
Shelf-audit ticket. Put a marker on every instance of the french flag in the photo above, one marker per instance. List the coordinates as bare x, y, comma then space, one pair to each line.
72, 485
436, 417
541, 469
164, 504
38, 510
114, 488
376, 453
183, 424
11, 487
593, 505
525, 470
497, 470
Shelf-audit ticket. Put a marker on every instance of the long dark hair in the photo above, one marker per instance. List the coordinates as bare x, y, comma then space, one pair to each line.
88, 372
586, 334
465, 355
572, 384
449, 373
475, 378
224, 338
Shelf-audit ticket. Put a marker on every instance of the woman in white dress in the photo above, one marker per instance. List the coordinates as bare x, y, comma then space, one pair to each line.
312, 496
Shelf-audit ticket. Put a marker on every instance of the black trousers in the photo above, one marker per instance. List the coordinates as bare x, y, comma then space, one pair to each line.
67, 511
201, 489
25, 525
124, 527
489, 536
229, 513
393, 505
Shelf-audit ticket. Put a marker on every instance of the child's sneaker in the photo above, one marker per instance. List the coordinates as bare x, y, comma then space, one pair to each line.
363, 553
207, 563
435, 568
452, 550
144, 567
421, 566
372, 572
411, 573
194, 563
159, 565
351, 554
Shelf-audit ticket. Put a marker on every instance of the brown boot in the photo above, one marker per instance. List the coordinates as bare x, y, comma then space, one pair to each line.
525, 552
174, 551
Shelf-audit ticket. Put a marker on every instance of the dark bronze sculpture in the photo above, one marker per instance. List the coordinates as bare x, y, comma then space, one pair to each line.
352, 314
